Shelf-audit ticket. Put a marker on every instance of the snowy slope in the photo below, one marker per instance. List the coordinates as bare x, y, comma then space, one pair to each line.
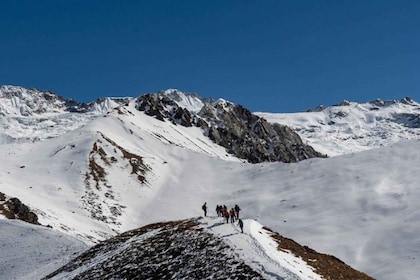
64, 161
353, 127
258, 249
360, 207
31, 252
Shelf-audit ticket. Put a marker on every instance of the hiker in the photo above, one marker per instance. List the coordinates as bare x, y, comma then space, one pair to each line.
232, 215
237, 209
219, 211
241, 225
226, 214
204, 207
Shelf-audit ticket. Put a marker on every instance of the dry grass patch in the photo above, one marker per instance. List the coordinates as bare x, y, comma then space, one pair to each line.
329, 267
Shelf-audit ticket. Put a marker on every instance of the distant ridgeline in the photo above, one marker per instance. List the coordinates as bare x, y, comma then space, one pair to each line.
232, 126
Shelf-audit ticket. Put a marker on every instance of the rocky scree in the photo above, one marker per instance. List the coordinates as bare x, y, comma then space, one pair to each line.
171, 250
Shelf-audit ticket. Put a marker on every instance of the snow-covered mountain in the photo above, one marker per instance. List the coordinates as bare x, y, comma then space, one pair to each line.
28, 115
120, 164
350, 127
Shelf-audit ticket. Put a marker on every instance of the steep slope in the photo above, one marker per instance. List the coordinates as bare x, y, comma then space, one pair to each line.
352, 127
201, 249
102, 175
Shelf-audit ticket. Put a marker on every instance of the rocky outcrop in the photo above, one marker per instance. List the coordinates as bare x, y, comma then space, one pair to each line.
252, 138
232, 126
162, 107
13, 208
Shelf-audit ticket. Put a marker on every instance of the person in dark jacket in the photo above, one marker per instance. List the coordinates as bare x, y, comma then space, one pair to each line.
237, 209
219, 210
241, 225
204, 207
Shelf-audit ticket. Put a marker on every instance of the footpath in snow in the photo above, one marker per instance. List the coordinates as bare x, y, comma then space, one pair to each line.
259, 250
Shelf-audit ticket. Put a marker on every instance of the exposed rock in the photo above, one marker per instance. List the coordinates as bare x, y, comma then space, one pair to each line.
252, 138
13, 208
162, 107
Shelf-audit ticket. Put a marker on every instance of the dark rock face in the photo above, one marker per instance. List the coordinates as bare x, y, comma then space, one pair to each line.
252, 138
172, 250
162, 107
15, 209
242, 133
408, 120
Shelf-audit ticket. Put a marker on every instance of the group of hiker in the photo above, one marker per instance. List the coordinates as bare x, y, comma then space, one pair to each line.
231, 215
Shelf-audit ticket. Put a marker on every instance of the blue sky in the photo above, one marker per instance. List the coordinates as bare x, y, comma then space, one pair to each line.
272, 55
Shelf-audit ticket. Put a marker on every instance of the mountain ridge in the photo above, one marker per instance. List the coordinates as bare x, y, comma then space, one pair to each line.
243, 134
202, 248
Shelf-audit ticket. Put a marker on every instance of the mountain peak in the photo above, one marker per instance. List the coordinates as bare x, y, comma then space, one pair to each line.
190, 101
19, 101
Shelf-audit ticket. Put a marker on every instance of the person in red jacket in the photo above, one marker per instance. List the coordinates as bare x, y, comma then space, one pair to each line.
232, 215
226, 215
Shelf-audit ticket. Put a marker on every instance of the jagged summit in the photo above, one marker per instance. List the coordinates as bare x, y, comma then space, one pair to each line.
29, 115
21, 102
18, 101
189, 101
